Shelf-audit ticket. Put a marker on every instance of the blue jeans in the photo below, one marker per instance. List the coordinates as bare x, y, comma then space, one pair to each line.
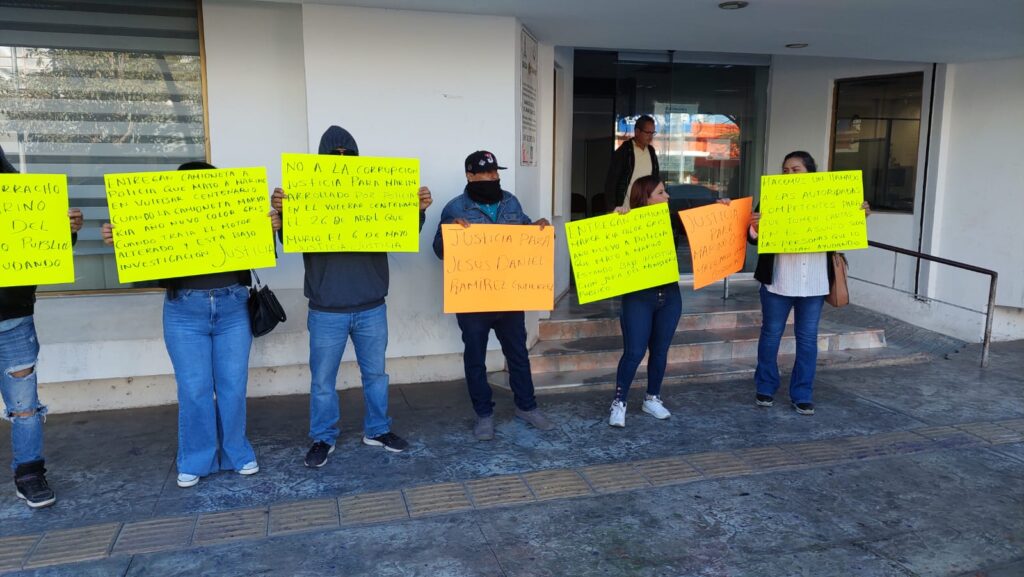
18, 352
510, 328
649, 319
775, 311
328, 334
208, 338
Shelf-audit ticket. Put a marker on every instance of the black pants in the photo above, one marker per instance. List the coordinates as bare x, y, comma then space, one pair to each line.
510, 328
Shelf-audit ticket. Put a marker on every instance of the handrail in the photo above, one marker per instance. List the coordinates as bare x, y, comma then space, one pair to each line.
987, 341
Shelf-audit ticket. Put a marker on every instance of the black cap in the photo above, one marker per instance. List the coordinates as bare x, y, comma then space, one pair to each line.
482, 161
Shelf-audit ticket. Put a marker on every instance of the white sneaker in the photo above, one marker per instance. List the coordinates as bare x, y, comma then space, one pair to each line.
655, 408
185, 480
618, 416
250, 468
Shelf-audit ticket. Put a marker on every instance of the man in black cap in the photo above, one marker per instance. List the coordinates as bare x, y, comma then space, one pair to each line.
19, 349
484, 202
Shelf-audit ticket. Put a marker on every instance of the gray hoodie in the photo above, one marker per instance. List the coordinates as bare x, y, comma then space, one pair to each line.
345, 282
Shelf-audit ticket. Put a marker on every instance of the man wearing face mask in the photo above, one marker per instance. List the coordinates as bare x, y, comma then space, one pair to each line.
484, 202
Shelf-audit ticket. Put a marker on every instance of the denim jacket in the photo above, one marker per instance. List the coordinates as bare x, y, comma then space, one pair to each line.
509, 212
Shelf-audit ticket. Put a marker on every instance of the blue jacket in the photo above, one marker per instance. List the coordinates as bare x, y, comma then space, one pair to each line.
509, 212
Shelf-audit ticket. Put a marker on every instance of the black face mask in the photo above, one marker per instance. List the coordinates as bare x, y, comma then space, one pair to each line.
484, 191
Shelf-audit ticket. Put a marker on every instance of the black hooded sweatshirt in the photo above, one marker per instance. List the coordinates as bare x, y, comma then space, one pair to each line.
345, 282
17, 301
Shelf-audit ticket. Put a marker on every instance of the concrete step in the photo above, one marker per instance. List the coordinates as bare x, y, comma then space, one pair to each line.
710, 371
702, 310
694, 345
606, 326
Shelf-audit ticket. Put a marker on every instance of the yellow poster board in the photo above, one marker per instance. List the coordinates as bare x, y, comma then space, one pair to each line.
35, 233
189, 222
350, 203
717, 234
617, 254
812, 212
498, 267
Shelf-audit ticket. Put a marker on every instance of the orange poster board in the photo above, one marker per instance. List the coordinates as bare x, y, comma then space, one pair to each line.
718, 239
498, 267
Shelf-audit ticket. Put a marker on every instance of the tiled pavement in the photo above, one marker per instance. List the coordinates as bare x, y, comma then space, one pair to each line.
910, 471
66, 546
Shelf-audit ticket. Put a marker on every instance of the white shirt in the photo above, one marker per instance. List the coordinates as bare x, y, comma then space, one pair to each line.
800, 275
641, 167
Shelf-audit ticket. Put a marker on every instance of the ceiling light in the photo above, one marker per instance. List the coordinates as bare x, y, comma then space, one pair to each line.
797, 45
734, 5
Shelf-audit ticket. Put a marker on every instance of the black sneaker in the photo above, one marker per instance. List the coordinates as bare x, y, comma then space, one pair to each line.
389, 441
317, 455
764, 400
804, 408
30, 480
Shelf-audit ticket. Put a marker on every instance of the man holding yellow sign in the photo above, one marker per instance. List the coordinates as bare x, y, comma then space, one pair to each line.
346, 290
19, 347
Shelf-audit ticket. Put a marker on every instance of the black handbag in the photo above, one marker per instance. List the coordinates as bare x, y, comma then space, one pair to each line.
265, 312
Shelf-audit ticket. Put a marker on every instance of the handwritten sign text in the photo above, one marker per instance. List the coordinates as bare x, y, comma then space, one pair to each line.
350, 203
498, 267
189, 222
35, 234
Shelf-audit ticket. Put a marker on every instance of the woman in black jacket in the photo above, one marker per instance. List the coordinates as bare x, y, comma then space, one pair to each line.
795, 282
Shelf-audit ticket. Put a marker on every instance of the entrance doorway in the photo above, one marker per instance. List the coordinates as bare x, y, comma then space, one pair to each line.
710, 119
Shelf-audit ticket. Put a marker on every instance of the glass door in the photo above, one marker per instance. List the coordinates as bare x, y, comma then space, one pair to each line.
710, 120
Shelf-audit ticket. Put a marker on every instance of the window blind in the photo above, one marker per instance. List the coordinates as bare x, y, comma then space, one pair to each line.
99, 86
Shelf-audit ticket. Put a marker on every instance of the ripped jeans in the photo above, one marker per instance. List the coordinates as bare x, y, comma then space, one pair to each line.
19, 349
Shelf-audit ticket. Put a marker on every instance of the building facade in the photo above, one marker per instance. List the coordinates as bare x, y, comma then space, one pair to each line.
250, 80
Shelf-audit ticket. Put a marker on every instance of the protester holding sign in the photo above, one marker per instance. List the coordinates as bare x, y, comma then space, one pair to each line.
19, 350
346, 292
790, 282
208, 337
484, 202
649, 318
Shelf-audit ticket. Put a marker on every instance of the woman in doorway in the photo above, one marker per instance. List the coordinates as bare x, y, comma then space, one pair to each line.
208, 337
648, 318
795, 282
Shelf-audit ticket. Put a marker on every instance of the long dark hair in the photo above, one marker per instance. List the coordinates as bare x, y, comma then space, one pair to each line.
805, 158
197, 165
5, 165
642, 189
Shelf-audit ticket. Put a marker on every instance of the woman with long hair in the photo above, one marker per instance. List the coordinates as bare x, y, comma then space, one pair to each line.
795, 282
648, 318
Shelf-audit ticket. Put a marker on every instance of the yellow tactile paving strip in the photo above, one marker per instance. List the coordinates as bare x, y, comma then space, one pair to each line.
93, 542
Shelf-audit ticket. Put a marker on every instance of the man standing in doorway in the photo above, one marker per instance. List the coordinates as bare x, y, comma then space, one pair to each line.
635, 158
484, 202
346, 292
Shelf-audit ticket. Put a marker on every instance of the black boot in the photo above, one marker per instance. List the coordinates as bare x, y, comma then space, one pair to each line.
30, 479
